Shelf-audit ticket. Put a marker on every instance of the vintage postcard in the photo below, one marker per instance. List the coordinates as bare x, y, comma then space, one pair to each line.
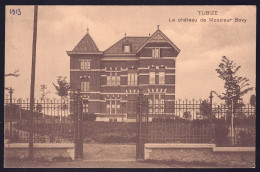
130, 86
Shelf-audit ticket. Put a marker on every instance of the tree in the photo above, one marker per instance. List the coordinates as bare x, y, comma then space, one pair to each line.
187, 115
253, 100
62, 87
44, 92
235, 86
14, 74
205, 108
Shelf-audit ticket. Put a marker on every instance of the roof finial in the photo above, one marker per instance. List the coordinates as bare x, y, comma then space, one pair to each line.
87, 30
158, 27
125, 34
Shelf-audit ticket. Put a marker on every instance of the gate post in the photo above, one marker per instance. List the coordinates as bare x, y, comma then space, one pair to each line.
139, 141
78, 125
11, 109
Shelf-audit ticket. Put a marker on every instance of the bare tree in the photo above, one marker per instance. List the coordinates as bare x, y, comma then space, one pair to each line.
14, 74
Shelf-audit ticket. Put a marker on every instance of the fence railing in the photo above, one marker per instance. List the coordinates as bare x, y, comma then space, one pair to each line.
170, 121
52, 121
198, 122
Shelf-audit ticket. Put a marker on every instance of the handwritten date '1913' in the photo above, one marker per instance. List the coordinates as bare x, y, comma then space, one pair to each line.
15, 11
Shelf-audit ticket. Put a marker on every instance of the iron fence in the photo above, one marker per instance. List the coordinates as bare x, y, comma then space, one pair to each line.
197, 122
167, 121
52, 122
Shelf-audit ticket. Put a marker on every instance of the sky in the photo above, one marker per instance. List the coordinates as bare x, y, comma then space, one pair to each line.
202, 44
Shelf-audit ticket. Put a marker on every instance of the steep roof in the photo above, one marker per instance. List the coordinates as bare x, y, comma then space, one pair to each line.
136, 43
158, 34
86, 44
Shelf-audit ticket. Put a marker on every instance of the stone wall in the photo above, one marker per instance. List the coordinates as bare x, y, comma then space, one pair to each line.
201, 153
47, 151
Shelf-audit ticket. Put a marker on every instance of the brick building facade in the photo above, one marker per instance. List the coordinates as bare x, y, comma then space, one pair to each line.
110, 80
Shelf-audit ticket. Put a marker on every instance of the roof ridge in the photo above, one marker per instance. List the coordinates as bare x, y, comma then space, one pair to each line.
113, 44
137, 37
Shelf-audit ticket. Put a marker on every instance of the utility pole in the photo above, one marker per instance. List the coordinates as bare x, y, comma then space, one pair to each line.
33, 82
211, 116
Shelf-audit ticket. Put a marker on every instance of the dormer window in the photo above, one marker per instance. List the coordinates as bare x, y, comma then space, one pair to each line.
126, 48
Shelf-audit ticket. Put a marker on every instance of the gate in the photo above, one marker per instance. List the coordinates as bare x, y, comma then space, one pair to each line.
170, 122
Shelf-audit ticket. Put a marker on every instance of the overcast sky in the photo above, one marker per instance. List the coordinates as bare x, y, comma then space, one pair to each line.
202, 45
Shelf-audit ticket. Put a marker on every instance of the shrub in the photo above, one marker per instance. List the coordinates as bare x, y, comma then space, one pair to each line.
221, 135
187, 115
11, 111
205, 108
246, 139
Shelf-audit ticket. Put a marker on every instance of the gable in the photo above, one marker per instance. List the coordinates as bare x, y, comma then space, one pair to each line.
159, 39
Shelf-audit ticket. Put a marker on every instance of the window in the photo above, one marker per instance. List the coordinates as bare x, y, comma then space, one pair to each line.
84, 86
117, 80
113, 78
85, 107
113, 106
108, 107
126, 48
132, 78
109, 79
150, 106
156, 52
161, 77
84, 64
152, 78
156, 105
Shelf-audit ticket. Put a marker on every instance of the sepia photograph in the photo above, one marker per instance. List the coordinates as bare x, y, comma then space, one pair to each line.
141, 86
